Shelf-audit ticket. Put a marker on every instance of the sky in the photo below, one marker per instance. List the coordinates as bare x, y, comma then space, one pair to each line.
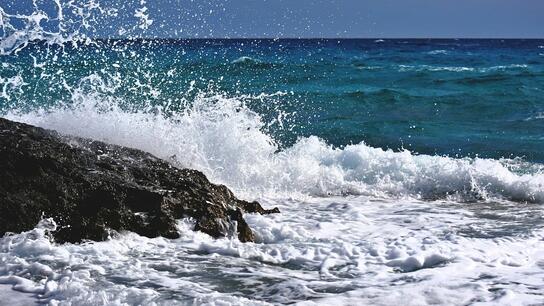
322, 18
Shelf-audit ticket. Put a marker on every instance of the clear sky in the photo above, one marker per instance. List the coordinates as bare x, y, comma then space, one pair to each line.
376, 18
332, 18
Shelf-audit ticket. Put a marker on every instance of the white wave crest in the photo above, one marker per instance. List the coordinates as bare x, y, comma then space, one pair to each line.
438, 52
222, 137
246, 60
404, 68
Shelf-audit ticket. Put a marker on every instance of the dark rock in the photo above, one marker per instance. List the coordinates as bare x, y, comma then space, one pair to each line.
89, 187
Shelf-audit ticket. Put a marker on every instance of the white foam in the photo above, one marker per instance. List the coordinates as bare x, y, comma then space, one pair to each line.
245, 60
438, 52
222, 137
461, 68
322, 248
373, 246
538, 116
369, 67
434, 68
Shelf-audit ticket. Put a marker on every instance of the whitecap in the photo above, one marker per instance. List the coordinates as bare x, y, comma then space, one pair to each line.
503, 67
434, 68
222, 137
461, 68
245, 60
369, 67
438, 52
538, 116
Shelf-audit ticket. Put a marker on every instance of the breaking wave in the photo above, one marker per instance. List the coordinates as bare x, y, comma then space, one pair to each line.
224, 138
220, 135
246, 60
418, 68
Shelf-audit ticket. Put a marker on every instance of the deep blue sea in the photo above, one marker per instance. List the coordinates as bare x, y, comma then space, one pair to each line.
407, 171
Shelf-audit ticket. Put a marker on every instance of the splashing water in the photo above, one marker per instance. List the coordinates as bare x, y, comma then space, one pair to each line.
223, 138
365, 220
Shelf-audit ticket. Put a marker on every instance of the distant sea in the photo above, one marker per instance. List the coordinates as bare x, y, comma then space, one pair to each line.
408, 171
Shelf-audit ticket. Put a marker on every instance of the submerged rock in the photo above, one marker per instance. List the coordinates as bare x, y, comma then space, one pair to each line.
89, 188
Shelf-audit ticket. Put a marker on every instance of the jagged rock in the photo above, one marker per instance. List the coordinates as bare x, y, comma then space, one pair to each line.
89, 187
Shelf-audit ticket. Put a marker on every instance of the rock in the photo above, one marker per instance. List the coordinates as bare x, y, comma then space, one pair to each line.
89, 188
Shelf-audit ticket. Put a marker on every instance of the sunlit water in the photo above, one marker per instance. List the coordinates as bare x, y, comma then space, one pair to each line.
408, 172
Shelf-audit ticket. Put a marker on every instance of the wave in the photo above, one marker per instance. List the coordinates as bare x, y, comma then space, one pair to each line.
538, 116
505, 67
222, 137
438, 52
461, 68
362, 66
403, 68
245, 60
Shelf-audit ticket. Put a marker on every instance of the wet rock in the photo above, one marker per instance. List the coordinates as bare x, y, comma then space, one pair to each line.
90, 187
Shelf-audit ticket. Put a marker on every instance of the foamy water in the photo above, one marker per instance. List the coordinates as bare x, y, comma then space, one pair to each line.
353, 227
359, 224
336, 250
223, 138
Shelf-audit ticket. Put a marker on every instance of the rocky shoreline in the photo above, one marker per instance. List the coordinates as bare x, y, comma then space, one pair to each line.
91, 188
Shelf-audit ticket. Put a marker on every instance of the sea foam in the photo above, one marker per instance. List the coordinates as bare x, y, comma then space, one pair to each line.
225, 139
326, 247
342, 250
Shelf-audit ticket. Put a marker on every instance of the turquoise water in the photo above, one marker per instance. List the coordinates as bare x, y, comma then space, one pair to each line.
445, 97
407, 172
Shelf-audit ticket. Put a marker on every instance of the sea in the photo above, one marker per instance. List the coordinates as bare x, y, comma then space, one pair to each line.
407, 171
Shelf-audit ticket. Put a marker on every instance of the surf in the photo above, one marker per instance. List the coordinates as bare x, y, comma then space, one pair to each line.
223, 137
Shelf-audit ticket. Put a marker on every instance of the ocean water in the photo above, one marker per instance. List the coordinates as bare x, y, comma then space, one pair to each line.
408, 172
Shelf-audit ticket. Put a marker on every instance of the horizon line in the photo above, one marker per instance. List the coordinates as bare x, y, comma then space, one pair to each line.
318, 38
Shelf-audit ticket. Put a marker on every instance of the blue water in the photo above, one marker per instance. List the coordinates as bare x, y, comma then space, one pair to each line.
303, 125
444, 97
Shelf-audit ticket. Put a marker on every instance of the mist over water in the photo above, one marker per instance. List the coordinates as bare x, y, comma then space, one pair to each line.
407, 171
